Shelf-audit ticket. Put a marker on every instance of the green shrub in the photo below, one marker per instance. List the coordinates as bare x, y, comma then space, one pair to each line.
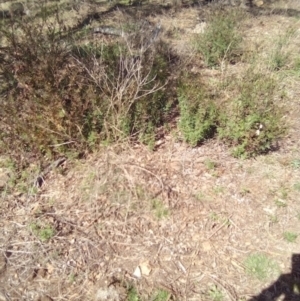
252, 121
220, 40
59, 96
198, 113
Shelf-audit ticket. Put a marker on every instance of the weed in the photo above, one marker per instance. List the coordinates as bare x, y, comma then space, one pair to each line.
290, 236
44, 233
213, 216
295, 163
283, 193
159, 208
72, 278
220, 39
280, 203
132, 294
161, 295
216, 294
218, 189
198, 114
210, 165
200, 196
273, 219
280, 56
260, 266
252, 122
297, 186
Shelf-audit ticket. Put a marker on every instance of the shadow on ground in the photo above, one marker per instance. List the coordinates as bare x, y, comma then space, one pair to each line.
286, 287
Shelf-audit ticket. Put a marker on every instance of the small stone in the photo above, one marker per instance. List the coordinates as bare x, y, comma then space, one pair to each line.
137, 273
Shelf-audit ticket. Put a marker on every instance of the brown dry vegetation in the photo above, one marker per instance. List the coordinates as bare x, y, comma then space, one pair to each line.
188, 219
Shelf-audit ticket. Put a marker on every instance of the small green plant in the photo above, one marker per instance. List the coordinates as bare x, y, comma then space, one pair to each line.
220, 40
200, 196
132, 294
72, 278
159, 208
260, 266
218, 189
280, 203
273, 219
297, 186
283, 193
210, 165
215, 294
198, 113
161, 295
44, 233
295, 163
290, 236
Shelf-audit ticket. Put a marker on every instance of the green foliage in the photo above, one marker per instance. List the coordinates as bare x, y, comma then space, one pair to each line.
132, 295
61, 97
43, 232
297, 186
161, 295
198, 113
280, 56
159, 209
290, 236
215, 294
252, 122
220, 40
295, 163
260, 266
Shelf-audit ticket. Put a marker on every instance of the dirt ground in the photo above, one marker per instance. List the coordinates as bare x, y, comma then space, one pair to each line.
179, 219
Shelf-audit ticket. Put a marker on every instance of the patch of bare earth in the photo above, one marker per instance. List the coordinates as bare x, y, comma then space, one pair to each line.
180, 219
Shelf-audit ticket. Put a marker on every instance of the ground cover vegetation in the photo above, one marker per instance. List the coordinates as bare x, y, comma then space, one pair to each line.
118, 86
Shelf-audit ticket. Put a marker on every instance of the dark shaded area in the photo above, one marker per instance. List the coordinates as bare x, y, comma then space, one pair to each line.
258, 11
287, 285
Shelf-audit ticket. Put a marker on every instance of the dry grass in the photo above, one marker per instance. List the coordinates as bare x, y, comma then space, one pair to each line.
189, 217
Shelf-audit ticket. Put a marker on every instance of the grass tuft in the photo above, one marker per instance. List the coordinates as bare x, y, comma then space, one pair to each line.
221, 39
260, 266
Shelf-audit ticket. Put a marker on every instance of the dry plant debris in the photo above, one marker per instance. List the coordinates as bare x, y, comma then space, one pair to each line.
184, 220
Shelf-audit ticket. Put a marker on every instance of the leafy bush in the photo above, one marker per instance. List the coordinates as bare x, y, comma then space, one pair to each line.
220, 40
198, 113
252, 121
59, 95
